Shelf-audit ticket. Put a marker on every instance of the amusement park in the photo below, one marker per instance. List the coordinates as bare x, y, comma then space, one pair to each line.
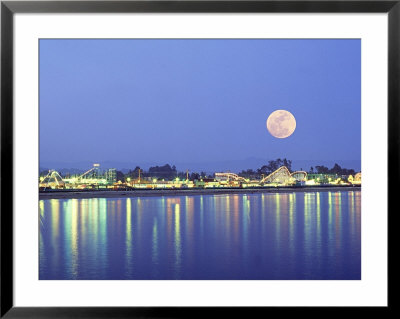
96, 179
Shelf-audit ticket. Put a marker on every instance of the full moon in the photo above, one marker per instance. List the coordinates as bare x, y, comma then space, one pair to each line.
281, 123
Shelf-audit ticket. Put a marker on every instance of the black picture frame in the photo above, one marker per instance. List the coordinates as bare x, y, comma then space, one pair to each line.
9, 8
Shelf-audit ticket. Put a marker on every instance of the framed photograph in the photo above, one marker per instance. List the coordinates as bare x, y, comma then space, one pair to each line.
173, 158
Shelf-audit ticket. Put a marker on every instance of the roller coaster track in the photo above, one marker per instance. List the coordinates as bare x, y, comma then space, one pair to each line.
283, 175
87, 172
299, 176
52, 177
230, 177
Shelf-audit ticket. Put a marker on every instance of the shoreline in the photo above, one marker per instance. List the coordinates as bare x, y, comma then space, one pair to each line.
187, 192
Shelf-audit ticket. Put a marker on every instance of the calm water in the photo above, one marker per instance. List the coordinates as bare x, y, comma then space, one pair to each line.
313, 235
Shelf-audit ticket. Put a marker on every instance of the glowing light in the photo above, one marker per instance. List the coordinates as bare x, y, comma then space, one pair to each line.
178, 248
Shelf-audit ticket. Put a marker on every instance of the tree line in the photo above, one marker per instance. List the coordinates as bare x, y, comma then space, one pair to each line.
336, 169
273, 165
164, 172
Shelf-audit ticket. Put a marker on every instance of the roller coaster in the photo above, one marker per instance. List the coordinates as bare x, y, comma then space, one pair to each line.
94, 168
52, 180
283, 176
356, 180
222, 177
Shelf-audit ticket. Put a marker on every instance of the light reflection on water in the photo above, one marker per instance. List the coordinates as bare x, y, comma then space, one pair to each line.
303, 235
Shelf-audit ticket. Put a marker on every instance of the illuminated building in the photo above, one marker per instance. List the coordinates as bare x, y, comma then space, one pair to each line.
322, 178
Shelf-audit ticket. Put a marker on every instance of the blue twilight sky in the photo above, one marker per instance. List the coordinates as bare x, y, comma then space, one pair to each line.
182, 101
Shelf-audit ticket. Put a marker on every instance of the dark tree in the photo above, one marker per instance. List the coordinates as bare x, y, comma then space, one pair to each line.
263, 170
273, 165
181, 175
288, 164
336, 169
120, 176
322, 169
135, 173
346, 171
165, 171
249, 173
194, 176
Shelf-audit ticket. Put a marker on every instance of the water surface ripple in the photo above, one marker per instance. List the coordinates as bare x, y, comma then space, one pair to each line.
299, 235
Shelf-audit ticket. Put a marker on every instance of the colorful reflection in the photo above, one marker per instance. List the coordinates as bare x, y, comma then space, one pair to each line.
297, 235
